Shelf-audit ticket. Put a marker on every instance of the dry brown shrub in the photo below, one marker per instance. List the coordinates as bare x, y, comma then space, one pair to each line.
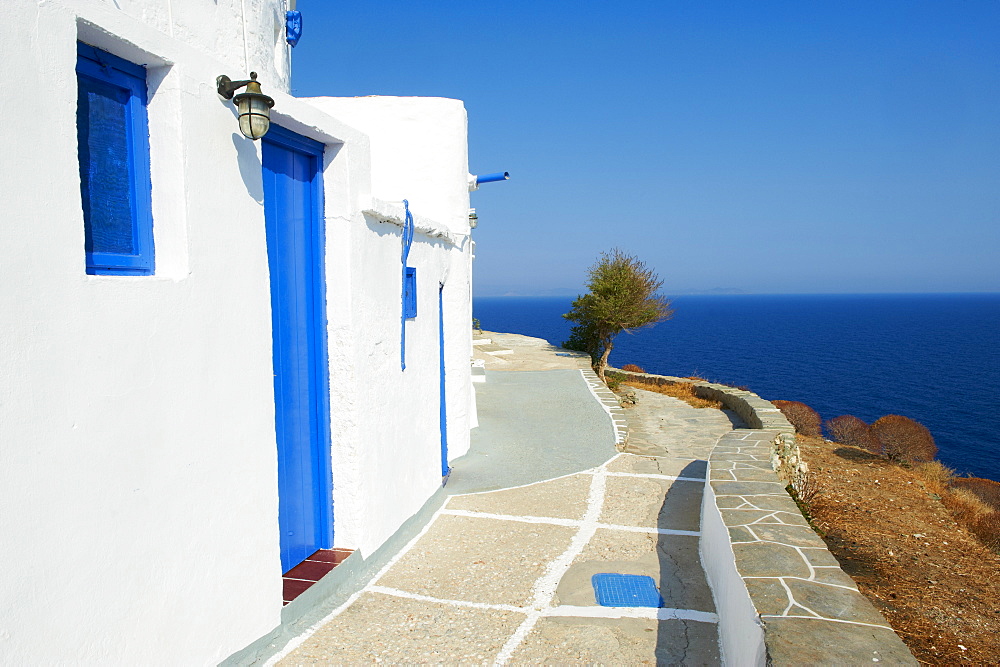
977, 516
851, 431
937, 475
903, 439
965, 506
987, 529
805, 420
632, 368
986, 489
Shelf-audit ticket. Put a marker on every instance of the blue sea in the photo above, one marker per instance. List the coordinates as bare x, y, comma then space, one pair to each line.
932, 357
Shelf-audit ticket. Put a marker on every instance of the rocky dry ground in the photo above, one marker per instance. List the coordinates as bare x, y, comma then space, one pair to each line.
937, 585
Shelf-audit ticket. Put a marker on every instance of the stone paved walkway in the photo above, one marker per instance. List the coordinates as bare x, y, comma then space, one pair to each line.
664, 426
526, 419
505, 576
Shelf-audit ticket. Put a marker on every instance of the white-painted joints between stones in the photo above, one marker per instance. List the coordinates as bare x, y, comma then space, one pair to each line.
311, 630
395, 592
609, 401
670, 478
568, 523
831, 620
544, 589
657, 613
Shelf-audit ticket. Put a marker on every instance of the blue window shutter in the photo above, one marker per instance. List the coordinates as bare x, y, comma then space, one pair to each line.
410, 293
104, 170
113, 141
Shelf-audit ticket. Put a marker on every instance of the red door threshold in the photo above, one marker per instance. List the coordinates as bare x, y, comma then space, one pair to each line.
298, 580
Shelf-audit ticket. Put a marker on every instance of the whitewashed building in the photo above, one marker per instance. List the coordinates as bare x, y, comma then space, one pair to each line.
202, 336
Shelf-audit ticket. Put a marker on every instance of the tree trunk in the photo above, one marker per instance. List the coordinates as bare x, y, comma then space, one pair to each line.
602, 363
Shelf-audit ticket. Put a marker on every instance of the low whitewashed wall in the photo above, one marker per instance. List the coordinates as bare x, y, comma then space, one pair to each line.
781, 596
741, 634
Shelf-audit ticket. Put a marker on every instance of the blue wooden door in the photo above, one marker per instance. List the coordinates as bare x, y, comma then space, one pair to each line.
293, 203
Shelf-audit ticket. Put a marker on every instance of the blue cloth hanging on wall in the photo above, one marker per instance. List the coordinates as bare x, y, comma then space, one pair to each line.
293, 27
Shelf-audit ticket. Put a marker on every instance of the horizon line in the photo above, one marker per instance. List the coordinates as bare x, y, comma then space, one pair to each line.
737, 294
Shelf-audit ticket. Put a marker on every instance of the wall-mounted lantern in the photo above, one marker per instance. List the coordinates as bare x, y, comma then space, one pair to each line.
254, 107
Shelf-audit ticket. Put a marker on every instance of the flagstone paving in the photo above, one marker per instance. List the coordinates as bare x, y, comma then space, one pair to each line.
664, 426
505, 576
501, 573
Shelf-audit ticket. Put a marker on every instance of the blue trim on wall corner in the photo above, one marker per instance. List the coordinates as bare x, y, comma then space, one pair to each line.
445, 470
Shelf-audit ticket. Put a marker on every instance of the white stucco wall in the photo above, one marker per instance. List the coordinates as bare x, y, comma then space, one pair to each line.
419, 151
387, 449
138, 467
137, 419
246, 35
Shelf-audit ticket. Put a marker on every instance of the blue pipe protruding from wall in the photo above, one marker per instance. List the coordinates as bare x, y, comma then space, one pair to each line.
490, 178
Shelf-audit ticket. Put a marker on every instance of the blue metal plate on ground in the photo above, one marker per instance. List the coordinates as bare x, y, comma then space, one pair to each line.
625, 590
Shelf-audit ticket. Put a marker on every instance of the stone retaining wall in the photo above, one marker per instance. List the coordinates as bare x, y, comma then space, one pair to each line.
781, 596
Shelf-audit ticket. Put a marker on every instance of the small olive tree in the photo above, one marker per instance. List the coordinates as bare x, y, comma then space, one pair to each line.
622, 296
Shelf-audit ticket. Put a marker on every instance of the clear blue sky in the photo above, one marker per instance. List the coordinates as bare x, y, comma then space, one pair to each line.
770, 147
